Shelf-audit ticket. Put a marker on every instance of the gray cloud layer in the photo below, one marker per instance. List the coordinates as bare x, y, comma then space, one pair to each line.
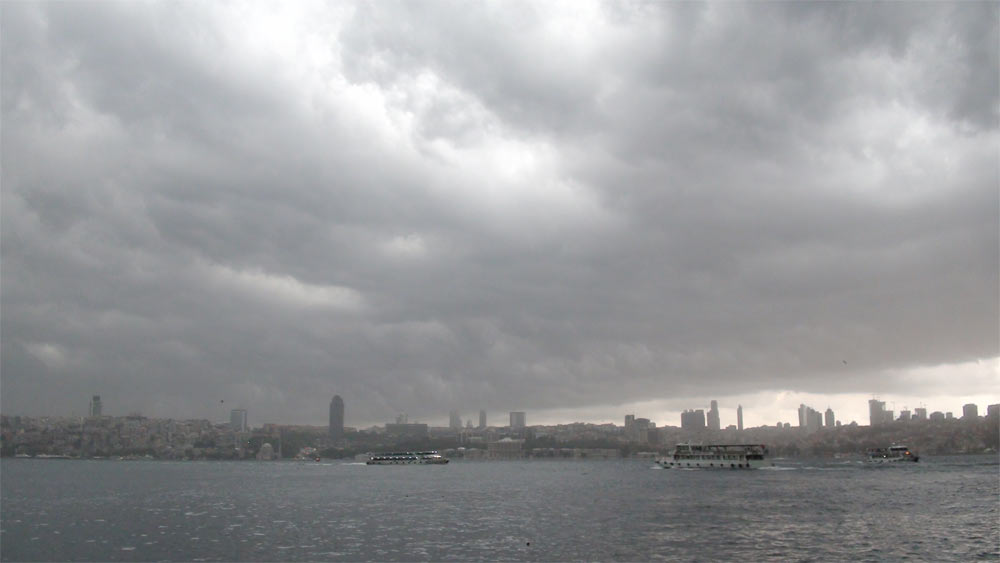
521, 206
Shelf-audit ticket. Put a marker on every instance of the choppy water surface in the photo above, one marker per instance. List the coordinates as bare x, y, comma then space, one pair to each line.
62, 510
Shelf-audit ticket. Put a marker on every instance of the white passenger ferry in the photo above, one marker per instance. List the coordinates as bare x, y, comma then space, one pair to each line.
892, 454
407, 458
716, 456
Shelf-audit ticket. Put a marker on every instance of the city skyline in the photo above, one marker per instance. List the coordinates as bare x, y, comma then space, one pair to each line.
633, 208
139, 437
827, 417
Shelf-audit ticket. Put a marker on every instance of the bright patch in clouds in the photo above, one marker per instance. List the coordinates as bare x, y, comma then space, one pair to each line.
405, 246
942, 388
54, 357
283, 289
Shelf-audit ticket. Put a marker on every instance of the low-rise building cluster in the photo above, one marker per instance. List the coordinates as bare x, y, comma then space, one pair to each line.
125, 436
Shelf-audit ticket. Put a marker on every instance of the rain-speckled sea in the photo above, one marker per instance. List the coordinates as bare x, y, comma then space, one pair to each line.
67, 510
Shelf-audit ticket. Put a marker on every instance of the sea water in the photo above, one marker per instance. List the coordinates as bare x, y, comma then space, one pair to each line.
939, 509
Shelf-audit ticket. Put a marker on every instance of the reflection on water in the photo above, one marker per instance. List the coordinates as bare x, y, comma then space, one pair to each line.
942, 509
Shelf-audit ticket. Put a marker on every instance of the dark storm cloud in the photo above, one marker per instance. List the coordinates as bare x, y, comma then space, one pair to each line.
426, 207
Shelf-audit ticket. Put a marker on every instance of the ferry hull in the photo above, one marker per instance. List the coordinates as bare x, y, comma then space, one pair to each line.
881, 460
407, 458
409, 462
669, 463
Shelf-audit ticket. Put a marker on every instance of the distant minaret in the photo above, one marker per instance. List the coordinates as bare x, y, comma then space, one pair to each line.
739, 417
337, 417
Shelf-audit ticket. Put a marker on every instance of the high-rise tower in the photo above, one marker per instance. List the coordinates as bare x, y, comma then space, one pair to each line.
337, 417
693, 420
739, 417
517, 420
238, 420
95, 406
810, 420
713, 417
876, 412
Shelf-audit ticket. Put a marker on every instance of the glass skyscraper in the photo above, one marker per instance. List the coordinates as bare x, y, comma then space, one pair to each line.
337, 417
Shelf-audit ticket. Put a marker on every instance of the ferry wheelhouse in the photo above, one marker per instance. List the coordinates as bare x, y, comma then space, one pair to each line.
407, 458
892, 454
715, 456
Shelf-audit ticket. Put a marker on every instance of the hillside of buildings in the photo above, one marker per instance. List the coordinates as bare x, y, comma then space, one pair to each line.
136, 436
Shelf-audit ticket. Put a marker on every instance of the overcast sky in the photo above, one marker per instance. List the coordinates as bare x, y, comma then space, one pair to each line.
578, 210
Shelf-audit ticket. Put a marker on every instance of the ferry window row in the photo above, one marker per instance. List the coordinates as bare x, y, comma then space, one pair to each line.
732, 457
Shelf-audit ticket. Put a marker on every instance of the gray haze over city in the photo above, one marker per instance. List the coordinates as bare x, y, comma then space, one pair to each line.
577, 210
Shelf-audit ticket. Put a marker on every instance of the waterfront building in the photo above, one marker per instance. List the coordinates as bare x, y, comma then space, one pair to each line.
95, 405
713, 417
517, 420
266, 452
830, 419
238, 420
482, 420
739, 417
629, 421
693, 420
506, 448
336, 427
970, 411
454, 420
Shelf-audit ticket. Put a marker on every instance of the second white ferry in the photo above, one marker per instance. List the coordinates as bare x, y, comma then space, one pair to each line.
892, 454
716, 456
407, 458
